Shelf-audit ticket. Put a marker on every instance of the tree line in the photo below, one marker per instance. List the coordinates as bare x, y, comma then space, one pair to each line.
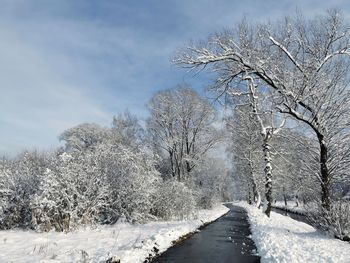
157, 171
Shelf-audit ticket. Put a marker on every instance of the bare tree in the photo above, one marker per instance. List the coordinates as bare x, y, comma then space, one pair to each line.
295, 163
267, 131
127, 130
264, 117
181, 124
245, 148
306, 62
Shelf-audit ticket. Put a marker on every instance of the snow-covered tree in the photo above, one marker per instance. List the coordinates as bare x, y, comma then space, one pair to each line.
295, 163
127, 130
20, 180
54, 204
245, 150
84, 136
181, 125
212, 182
6, 193
131, 177
306, 62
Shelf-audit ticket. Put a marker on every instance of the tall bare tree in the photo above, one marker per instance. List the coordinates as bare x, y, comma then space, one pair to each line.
262, 113
306, 62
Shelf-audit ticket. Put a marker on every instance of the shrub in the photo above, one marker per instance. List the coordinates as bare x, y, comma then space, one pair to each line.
174, 200
19, 180
335, 221
206, 198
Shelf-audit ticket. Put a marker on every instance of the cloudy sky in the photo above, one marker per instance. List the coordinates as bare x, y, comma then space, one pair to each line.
65, 62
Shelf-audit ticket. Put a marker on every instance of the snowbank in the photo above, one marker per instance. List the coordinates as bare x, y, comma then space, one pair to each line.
130, 243
291, 207
282, 239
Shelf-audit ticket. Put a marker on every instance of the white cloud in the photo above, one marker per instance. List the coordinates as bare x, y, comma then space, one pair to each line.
67, 62
37, 100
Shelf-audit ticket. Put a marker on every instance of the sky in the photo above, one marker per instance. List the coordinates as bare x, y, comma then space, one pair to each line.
66, 62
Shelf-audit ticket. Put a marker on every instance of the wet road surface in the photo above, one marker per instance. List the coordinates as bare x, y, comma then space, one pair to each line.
225, 240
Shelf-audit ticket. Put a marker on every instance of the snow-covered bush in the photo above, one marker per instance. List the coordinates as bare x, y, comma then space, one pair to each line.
52, 208
19, 182
174, 200
131, 179
336, 220
211, 182
101, 175
95, 186
206, 198
6, 194
64, 194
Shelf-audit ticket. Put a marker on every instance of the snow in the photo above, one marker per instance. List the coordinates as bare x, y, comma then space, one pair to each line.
282, 239
291, 207
127, 242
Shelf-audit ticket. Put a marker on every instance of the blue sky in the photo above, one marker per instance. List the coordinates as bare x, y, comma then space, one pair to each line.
65, 62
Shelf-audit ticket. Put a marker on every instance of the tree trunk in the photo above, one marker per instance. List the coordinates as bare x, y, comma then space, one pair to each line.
249, 193
256, 195
296, 200
284, 196
188, 167
268, 176
178, 173
172, 163
249, 197
325, 177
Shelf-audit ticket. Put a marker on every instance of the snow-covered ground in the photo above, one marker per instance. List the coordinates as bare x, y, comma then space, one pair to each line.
130, 243
291, 206
282, 239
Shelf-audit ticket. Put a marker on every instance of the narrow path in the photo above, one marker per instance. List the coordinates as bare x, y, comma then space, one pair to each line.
225, 240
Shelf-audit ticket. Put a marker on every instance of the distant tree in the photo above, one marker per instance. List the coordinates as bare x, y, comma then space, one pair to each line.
245, 148
212, 182
295, 165
127, 130
181, 125
84, 136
